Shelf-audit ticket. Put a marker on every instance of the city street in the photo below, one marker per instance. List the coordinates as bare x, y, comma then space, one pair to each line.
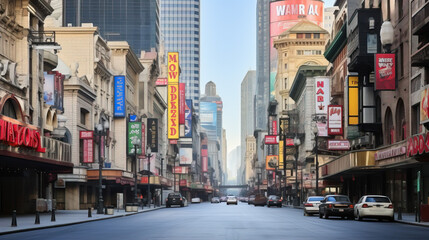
219, 221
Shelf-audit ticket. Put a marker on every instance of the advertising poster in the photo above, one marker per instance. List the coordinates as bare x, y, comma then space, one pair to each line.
173, 111
283, 16
188, 118
271, 162
204, 152
59, 91
284, 127
143, 146
134, 132
281, 152
49, 89
185, 156
182, 103
173, 68
119, 96
323, 95
385, 72
208, 117
424, 106
88, 146
335, 120
353, 87
152, 134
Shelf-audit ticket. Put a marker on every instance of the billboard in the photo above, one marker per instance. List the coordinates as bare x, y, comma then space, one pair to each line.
204, 152
339, 145
271, 162
173, 68
385, 73
208, 117
173, 111
88, 146
353, 87
53, 89
185, 156
281, 152
284, 15
335, 120
119, 96
182, 103
271, 139
134, 132
323, 95
284, 127
424, 106
161, 82
152, 134
188, 118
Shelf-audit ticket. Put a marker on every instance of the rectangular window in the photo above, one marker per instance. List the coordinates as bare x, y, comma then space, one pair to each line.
415, 119
300, 35
401, 60
308, 35
316, 35
285, 66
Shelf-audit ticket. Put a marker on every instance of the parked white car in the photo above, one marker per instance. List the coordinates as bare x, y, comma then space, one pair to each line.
231, 200
196, 200
374, 206
311, 206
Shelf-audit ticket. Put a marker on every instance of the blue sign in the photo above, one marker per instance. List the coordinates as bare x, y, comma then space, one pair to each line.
188, 118
133, 118
119, 96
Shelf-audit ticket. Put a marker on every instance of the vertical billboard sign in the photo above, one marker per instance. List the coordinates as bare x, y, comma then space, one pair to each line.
182, 103
59, 91
204, 152
188, 118
134, 132
385, 73
88, 146
353, 87
152, 134
119, 96
424, 106
49, 89
143, 146
208, 117
54, 89
173, 111
335, 120
323, 95
284, 15
173, 68
281, 152
185, 156
284, 127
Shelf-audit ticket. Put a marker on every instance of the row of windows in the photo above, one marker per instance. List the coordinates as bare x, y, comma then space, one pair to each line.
182, 25
309, 52
308, 35
175, 5
168, 32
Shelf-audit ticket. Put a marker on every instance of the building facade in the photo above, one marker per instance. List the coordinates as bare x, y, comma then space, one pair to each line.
180, 27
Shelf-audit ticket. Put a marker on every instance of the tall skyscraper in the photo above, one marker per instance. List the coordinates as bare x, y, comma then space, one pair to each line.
180, 28
262, 62
134, 21
248, 92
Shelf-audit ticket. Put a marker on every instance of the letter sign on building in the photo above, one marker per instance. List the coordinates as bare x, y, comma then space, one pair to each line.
173, 67
173, 111
323, 95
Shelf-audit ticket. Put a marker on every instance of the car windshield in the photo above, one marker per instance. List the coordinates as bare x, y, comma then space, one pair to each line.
315, 199
378, 199
173, 195
338, 199
274, 197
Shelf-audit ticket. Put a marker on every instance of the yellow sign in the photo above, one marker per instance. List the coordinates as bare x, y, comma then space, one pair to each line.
173, 67
271, 162
353, 100
173, 111
281, 146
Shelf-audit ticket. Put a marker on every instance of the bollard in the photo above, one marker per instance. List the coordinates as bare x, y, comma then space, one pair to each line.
89, 212
53, 215
105, 210
400, 213
37, 221
14, 224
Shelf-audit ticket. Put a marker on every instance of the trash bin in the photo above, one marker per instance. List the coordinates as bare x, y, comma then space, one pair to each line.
129, 207
110, 210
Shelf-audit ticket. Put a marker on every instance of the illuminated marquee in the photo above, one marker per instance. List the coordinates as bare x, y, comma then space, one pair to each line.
16, 134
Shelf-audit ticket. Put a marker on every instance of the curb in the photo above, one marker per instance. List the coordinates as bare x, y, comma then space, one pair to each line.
412, 223
78, 222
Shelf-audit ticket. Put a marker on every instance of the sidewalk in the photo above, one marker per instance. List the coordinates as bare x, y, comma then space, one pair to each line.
407, 218
62, 217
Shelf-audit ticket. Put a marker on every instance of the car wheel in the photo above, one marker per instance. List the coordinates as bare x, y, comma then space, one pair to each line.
320, 215
391, 219
181, 205
168, 205
280, 206
358, 217
268, 205
325, 215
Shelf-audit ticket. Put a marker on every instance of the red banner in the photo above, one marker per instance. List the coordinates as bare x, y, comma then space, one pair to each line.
385, 75
88, 146
270, 139
183, 182
274, 127
335, 120
204, 164
182, 103
143, 141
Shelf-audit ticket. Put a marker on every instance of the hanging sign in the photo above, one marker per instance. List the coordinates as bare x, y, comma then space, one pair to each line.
335, 120
385, 73
323, 95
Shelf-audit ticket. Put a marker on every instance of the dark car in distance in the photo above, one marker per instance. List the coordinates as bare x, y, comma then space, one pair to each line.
336, 205
274, 200
251, 199
260, 200
174, 199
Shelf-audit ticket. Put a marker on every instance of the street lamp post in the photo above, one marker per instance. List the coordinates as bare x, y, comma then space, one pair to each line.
296, 142
174, 172
136, 142
100, 130
162, 164
148, 155
316, 138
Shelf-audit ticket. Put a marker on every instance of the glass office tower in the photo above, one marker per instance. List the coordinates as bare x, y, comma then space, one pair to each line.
134, 21
180, 27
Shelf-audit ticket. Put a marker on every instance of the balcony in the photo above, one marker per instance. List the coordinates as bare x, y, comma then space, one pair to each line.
56, 150
420, 20
43, 40
421, 57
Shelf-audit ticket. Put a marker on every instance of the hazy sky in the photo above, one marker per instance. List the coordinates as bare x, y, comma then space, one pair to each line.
228, 51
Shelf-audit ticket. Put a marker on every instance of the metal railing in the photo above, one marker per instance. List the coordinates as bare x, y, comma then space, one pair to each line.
42, 37
56, 150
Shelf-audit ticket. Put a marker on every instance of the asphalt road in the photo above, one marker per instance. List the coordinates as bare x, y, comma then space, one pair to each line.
219, 221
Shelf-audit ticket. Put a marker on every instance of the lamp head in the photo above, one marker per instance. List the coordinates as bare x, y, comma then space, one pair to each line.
386, 34
315, 129
106, 125
296, 141
136, 142
148, 150
99, 127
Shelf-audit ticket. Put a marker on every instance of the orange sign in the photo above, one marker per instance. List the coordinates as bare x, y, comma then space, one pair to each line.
271, 162
173, 111
173, 67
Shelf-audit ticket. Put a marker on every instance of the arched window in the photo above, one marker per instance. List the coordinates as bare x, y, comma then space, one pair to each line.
389, 129
400, 121
9, 109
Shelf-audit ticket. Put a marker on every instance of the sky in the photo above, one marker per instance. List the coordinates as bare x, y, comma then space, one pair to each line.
228, 51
